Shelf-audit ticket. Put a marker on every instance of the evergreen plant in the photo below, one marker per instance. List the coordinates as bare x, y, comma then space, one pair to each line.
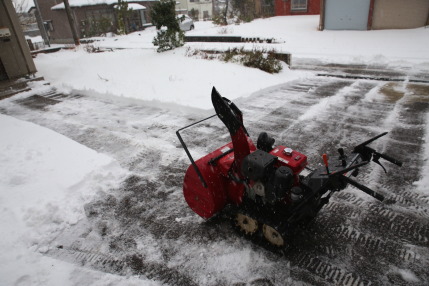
169, 34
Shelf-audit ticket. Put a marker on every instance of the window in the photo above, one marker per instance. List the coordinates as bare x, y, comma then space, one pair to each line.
299, 5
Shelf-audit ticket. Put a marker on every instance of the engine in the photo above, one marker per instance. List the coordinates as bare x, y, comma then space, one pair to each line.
273, 173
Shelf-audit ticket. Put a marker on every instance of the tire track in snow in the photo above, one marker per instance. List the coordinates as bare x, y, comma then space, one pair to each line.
344, 245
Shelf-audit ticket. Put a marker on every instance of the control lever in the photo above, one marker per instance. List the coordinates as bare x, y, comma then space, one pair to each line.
342, 157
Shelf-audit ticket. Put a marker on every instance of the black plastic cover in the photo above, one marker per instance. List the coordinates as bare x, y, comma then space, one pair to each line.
258, 165
279, 184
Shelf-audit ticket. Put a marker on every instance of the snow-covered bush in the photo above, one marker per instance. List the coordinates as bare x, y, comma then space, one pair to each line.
167, 40
163, 15
256, 58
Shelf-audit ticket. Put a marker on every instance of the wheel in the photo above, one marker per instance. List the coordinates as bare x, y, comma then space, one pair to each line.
246, 224
273, 236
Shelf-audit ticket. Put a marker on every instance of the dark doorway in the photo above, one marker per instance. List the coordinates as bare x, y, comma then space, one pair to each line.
3, 74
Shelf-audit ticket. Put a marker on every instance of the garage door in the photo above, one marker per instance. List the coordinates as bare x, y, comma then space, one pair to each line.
346, 14
400, 14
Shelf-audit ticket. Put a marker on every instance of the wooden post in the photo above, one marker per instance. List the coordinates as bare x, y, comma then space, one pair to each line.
322, 15
71, 21
370, 15
41, 25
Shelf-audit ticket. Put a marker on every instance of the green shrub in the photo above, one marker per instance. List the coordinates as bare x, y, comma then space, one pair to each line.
168, 40
163, 15
219, 19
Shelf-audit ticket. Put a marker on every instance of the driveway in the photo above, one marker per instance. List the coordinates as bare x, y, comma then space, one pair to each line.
145, 227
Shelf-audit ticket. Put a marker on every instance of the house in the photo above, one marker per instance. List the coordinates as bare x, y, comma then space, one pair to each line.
28, 22
251, 8
196, 9
373, 14
296, 7
15, 57
91, 17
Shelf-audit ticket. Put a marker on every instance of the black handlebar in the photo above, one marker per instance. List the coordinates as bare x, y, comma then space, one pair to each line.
367, 152
363, 188
388, 158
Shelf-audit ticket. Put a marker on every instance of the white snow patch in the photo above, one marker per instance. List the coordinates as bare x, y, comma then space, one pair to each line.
45, 180
81, 3
326, 103
144, 74
139, 72
423, 183
374, 95
407, 275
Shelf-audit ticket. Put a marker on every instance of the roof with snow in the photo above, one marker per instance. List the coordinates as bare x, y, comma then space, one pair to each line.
82, 3
134, 6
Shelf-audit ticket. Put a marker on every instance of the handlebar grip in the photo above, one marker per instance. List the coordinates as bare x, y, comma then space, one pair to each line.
391, 160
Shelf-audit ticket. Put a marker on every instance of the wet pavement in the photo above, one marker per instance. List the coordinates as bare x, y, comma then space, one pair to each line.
145, 227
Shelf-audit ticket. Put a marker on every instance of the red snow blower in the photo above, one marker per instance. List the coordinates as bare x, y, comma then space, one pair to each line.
264, 187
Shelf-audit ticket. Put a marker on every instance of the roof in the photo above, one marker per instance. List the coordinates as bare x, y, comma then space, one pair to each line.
82, 3
134, 6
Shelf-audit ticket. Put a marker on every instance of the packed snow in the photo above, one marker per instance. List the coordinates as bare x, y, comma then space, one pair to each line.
137, 71
81, 3
46, 178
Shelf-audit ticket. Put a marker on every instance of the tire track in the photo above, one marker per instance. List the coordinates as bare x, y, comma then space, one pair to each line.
353, 241
121, 265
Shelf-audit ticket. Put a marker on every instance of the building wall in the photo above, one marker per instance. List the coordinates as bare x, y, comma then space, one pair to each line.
61, 32
201, 6
400, 14
15, 57
182, 7
283, 8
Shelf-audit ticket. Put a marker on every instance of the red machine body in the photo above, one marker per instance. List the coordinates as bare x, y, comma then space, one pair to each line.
206, 202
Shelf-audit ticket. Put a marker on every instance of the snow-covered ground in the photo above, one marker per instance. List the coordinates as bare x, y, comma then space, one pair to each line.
139, 72
47, 178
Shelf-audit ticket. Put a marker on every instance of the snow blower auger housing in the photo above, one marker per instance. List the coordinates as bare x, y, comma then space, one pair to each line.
264, 186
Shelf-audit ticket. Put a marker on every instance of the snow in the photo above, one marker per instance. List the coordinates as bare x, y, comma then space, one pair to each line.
145, 75
81, 3
37, 39
301, 38
406, 274
423, 183
46, 178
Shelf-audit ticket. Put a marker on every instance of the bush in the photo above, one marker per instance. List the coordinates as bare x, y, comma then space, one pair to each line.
260, 59
91, 49
219, 19
168, 40
163, 15
200, 54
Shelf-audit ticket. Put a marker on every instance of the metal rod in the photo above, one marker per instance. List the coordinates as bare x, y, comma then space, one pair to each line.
197, 170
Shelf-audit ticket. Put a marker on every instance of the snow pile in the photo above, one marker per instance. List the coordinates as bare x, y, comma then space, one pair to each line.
81, 3
45, 180
144, 74
300, 36
137, 71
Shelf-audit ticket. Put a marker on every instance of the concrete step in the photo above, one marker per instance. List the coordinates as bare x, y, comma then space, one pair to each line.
9, 88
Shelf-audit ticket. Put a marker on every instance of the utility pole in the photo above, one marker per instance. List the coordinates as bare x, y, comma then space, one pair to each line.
71, 21
41, 24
